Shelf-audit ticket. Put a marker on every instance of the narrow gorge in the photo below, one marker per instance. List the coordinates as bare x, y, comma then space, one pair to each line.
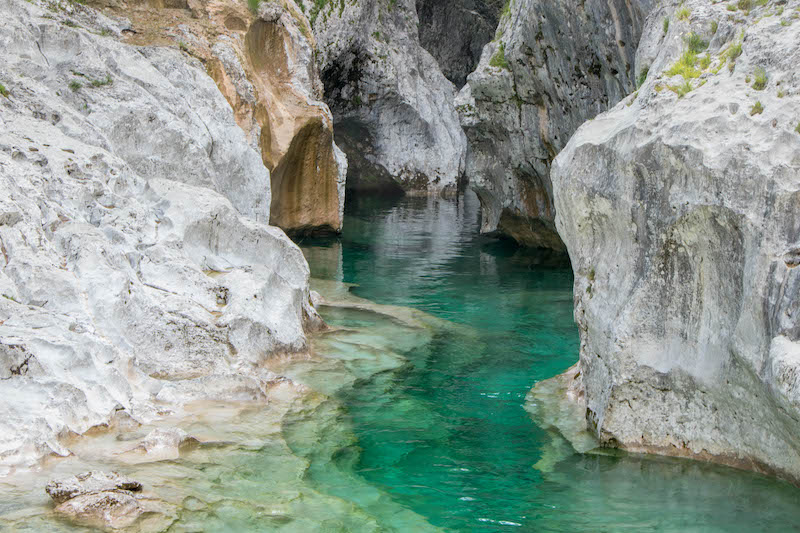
399, 265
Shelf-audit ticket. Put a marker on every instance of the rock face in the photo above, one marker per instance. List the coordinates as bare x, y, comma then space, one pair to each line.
455, 32
136, 268
393, 107
552, 65
263, 64
680, 209
98, 499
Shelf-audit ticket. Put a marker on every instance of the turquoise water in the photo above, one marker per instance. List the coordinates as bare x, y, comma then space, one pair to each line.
445, 434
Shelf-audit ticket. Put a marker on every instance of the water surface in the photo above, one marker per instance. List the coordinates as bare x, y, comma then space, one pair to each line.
446, 435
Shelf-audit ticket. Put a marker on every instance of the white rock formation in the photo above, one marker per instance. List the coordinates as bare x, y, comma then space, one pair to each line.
552, 65
392, 106
136, 272
682, 219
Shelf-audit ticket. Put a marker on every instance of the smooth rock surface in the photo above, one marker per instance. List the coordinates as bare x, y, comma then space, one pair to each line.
392, 106
682, 220
551, 66
128, 285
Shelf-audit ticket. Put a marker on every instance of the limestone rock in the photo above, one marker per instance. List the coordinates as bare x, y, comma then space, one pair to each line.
162, 444
455, 32
130, 280
680, 209
88, 482
551, 66
393, 107
263, 63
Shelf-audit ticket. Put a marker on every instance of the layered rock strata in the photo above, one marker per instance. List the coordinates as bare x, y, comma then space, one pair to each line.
680, 209
551, 66
392, 105
263, 63
137, 272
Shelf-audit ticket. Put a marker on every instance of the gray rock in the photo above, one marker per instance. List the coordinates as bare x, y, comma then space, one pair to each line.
455, 32
114, 510
551, 66
136, 270
65, 489
681, 216
393, 108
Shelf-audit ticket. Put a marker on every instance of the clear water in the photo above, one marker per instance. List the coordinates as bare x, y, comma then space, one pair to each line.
445, 435
407, 416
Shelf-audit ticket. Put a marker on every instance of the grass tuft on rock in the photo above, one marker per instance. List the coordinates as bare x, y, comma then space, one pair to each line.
499, 58
74, 86
3, 91
760, 82
685, 66
683, 13
797, 129
695, 43
665, 25
642, 76
683, 89
757, 109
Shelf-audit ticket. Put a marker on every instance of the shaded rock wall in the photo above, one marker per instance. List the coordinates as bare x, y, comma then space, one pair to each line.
680, 209
551, 66
455, 32
393, 107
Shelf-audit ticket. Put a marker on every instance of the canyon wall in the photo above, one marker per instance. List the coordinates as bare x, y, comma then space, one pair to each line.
263, 63
680, 209
137, 271
455, 32
551, 66
393, 107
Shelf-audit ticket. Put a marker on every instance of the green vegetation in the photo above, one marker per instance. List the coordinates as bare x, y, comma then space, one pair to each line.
695, 43
3, 91
642, 76
731, 7
714, 27
253, 5
499, 58
683, 13
683, 89
797, 129
665, 25
506, 11
74, 86
102, 83
757, 109
760, 82
705, 62
745, 5
685, 66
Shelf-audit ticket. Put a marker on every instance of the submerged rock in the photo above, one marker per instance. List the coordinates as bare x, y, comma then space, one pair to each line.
62, 490
551, 66
393, 107
136, 268
680, 209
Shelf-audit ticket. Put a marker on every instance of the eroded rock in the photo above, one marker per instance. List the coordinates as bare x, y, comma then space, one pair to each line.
679, 208
551, 66
393, 108
135, 274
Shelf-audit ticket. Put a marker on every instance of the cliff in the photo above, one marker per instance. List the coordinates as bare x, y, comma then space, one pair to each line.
680, 209
393, 107
551, 66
